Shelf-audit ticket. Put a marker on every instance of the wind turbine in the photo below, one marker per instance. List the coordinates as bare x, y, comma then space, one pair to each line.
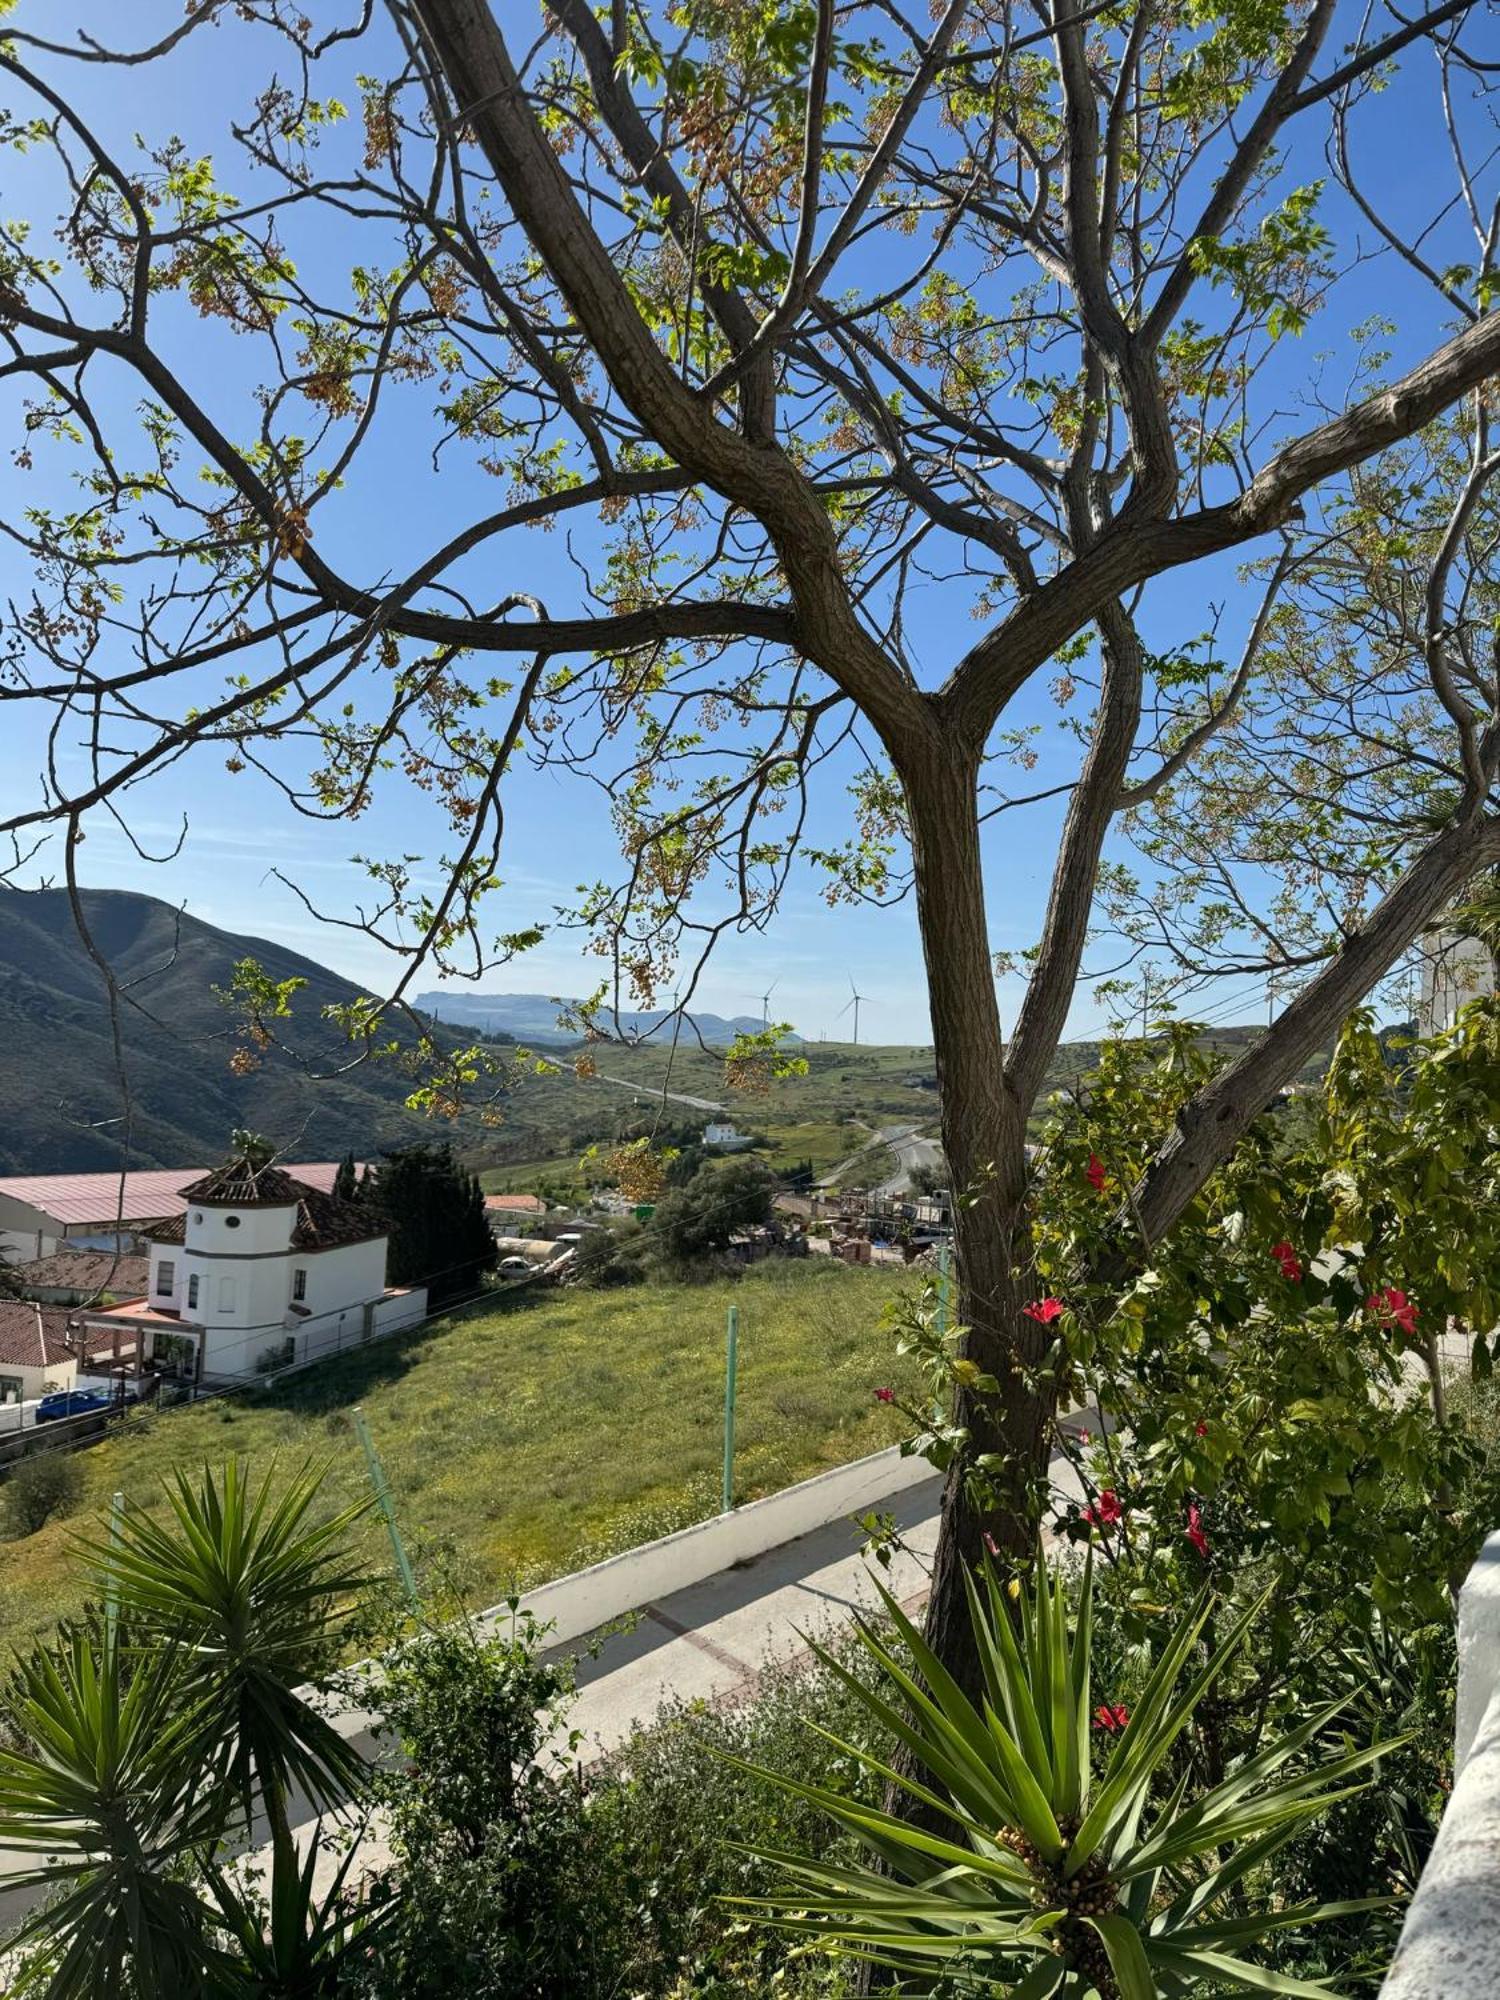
855, 997
765, 1004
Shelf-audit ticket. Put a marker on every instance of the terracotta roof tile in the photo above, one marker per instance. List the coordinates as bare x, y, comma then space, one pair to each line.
323, 1221
33, 1336
84, 1271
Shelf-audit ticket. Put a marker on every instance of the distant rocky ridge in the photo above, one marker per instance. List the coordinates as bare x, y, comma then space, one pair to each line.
533, 1017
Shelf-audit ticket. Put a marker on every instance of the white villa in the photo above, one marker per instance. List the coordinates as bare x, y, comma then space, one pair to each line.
259, 1271
725, 1138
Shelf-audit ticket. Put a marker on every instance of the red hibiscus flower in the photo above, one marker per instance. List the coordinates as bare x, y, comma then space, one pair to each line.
1393, 1308
1044, 1311
990, 1543
1106, 1511
1287, 1258
885, 1395
1094, 1173
1194, 1529
1200, 1429
1110, 1717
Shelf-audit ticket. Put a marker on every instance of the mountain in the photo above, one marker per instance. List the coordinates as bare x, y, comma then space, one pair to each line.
62, 1099
532, 1017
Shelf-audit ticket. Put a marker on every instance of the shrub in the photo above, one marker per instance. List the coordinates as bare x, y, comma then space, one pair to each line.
47, 1483
500, 1897
607, 1257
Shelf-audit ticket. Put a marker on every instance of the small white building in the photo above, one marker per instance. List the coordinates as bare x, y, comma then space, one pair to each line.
726, 1139
261, 1271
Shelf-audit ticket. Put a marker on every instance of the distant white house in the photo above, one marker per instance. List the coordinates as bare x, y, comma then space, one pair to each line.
260, 1270
726, 1139
1455, 970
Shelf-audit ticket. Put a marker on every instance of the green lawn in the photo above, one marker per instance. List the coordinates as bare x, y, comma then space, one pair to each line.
531, 1440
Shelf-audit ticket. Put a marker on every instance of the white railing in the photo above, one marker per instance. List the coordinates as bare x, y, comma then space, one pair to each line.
1450, 1942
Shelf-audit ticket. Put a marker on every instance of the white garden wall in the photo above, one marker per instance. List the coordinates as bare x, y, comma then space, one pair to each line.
576, 1604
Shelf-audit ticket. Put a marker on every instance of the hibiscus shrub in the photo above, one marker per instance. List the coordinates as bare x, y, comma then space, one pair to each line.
1276, 1408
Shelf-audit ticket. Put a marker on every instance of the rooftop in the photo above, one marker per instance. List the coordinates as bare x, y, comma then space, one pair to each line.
516, 1204
33, 1336
323, 1221
83, 1271
88, 1200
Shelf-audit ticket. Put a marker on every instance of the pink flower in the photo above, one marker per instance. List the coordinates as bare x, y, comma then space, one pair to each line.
1393, 1308
990, 1543
1044, 1311
1094, 1173
1110, 1717
1194, 1529
885, 1395
1085, 1437
1286, 1257
1200, 1429
1106, 1511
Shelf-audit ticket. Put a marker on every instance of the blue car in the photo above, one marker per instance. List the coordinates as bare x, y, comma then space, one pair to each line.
71, 1403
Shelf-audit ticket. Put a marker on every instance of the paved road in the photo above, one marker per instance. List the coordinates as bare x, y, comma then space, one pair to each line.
647, 1090
912, 1151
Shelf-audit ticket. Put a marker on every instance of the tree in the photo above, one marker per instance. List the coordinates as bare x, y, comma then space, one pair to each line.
345, 1181
783, 313
695, 1221
440, 1231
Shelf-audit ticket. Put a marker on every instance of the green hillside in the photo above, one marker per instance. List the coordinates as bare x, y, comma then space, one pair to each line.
63, 1102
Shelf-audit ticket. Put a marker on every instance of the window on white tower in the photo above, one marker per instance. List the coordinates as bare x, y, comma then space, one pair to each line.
299, 1283
193, 1292
166, 1278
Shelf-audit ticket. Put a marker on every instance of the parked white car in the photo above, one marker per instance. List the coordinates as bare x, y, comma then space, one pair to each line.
514, 1267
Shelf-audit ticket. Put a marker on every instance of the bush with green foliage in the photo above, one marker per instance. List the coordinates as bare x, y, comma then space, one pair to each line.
610, 1256
696, 1222
488, 1823
38, 1486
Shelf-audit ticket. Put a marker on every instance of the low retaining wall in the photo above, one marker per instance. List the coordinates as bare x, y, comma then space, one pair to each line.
1450, 1942
580, 1603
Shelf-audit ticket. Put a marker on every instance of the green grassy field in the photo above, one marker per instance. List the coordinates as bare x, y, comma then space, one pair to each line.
526, 1441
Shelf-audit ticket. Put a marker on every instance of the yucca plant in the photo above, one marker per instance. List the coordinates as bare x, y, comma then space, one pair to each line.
97, 1787
246, 1589
1043, 1878
303, 1943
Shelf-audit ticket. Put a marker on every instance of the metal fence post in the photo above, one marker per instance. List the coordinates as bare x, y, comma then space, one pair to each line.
387, 1507
731, 1369
111, 1595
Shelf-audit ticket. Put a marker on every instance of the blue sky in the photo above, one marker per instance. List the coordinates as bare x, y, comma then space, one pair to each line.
558, 831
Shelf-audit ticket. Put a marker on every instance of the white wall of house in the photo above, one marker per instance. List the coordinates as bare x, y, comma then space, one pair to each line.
725, 1137
239, 1277
21, 1381
26, 1232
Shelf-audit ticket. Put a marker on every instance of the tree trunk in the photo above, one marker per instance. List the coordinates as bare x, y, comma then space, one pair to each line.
984, 1132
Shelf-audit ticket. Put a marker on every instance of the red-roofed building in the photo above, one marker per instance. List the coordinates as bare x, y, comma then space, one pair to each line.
40, 1213
515, 1204
45, 1347
259, 1268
